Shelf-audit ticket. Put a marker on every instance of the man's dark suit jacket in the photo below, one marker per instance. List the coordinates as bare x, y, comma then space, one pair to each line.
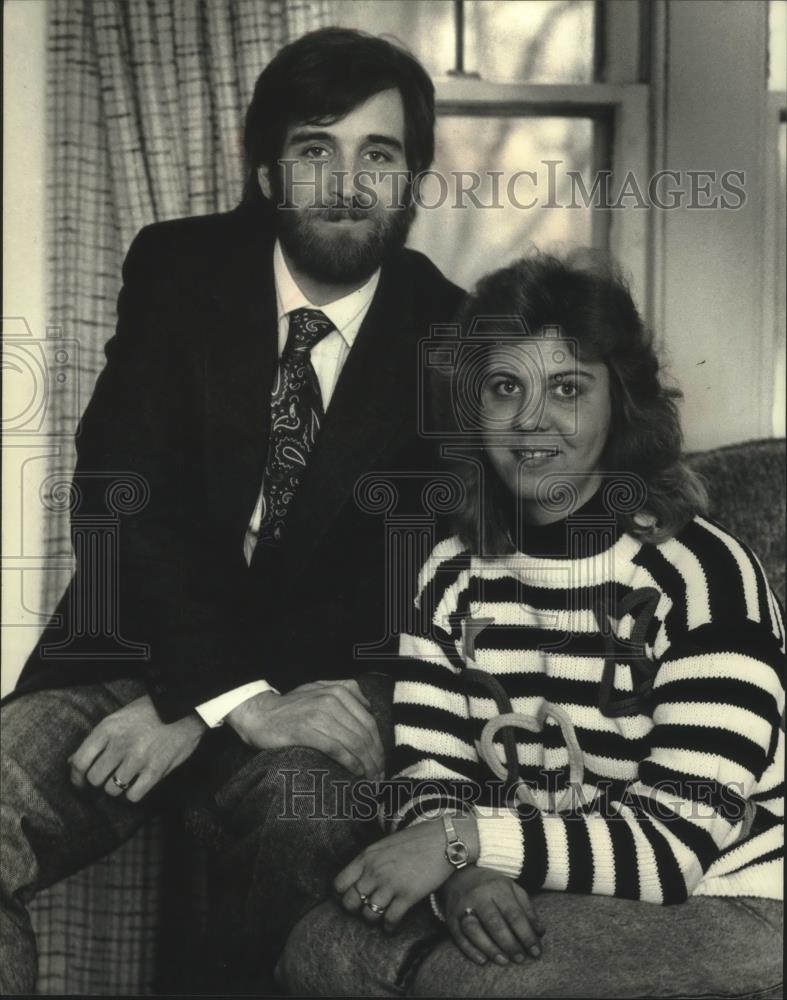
184, 404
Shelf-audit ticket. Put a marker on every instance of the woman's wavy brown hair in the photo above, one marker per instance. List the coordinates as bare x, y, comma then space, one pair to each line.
586, 296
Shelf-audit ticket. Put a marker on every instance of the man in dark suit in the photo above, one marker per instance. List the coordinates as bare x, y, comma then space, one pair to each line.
264, 360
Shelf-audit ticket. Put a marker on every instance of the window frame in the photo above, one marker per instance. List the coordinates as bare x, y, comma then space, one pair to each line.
617, 99
774, 318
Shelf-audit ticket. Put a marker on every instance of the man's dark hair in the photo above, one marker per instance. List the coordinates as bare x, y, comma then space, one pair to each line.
322, 76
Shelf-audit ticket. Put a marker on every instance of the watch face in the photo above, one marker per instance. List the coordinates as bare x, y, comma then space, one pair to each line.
457, 853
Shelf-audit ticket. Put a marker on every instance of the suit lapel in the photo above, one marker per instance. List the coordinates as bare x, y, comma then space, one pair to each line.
367, 410
240, 361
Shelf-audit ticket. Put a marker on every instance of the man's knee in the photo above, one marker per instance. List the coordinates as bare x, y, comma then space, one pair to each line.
39, 732
29, 817
47, 723
34, 750
306, 764
48, 829
311, 785
295, 782
18, 867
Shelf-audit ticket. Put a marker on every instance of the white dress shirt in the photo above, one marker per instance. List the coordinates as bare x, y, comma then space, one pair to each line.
327, 358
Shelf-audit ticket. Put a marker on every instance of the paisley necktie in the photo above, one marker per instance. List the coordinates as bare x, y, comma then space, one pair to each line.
296, 413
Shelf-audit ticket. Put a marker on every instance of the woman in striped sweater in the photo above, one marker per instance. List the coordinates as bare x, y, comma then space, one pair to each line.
595, 692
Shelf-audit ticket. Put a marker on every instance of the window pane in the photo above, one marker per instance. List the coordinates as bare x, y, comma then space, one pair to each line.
532, 41
425, 27
777, 45
467, 242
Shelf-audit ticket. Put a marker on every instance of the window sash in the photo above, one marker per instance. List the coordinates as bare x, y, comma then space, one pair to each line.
623, 145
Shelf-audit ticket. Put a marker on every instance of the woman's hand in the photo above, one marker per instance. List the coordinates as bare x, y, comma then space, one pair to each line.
502, 925
394, 874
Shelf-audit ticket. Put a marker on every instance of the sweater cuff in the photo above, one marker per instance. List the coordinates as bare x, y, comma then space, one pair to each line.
500, 840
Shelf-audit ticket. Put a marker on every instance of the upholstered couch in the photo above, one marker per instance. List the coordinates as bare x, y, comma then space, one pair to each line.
121, 927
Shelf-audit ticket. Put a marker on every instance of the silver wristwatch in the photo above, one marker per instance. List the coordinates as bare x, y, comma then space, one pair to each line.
455, 848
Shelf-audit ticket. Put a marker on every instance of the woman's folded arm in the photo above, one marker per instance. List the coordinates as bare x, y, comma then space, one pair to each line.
716, 725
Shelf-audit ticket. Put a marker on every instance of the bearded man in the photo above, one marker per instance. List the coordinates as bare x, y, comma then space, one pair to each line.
264, 360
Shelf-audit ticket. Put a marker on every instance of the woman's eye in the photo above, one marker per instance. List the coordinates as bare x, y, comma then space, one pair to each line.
567, 390
506, 387
378, 156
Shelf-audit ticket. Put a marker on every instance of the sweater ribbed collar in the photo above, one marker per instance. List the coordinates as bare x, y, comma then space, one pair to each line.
588, 530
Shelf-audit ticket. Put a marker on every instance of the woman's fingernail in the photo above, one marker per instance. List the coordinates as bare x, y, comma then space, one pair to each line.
535, 951
519, 958
501, 960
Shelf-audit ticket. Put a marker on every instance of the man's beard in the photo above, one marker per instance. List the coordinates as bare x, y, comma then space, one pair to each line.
342, 257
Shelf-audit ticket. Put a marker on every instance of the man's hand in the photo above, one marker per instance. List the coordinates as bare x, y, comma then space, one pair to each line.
330, 716
132, 748
395, 873
502, 924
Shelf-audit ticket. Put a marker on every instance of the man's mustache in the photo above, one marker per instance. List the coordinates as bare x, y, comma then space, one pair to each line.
336, 213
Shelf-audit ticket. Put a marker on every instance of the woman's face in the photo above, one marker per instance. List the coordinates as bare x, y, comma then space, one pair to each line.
544, 412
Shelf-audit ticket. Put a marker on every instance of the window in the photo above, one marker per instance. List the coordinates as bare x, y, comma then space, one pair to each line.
534, 72
560, 40
525, 167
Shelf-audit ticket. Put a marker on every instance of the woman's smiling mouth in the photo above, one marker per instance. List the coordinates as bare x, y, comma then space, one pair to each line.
535, 455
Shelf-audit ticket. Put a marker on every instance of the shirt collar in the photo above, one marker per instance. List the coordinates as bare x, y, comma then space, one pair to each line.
346, 313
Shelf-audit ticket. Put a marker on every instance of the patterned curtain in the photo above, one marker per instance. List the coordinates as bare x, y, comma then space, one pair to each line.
145, 108
146, 100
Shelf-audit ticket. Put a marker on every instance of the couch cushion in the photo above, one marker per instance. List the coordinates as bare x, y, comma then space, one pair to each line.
746, 485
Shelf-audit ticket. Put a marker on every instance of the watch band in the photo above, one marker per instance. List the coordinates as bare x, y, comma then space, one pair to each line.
456, 853
436, 907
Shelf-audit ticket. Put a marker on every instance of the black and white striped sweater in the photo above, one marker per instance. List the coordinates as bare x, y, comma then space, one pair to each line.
663, 783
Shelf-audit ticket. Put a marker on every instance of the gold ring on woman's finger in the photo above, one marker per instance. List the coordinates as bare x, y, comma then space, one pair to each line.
379, 910
122, 785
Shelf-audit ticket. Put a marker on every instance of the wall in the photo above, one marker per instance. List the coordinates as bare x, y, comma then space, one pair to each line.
712, 261
24, 295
